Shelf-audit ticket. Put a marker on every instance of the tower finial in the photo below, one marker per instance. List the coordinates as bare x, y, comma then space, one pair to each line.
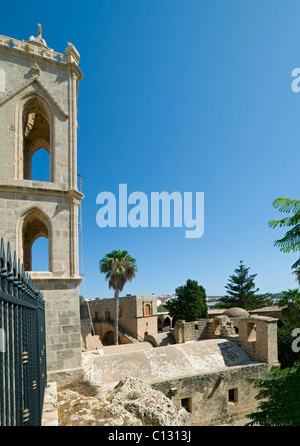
38, 40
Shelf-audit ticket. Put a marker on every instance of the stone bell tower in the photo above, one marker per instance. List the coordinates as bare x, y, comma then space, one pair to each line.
38, 110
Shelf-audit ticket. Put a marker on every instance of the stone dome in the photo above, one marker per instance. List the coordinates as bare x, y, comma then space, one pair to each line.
236, 312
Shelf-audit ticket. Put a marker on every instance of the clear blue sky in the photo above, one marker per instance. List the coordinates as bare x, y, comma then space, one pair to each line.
183, 95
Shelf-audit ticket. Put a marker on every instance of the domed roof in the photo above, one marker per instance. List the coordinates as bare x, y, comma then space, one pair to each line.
236, 312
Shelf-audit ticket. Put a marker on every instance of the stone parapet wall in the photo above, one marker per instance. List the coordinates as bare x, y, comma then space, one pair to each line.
192, 331
256, 335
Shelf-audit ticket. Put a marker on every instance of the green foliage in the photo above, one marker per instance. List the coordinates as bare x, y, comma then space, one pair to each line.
241, 291
162, 309
190, 304
119, 267
279, 396
81, 299
279, 393
296, 272
290, 300
289, 296
291, 240
286, 356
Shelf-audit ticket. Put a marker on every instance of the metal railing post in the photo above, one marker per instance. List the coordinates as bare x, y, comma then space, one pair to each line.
23, 350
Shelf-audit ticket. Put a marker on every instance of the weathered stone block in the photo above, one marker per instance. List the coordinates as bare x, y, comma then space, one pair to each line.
38, 112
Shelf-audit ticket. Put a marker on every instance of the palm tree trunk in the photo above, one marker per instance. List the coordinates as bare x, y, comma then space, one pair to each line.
116, 316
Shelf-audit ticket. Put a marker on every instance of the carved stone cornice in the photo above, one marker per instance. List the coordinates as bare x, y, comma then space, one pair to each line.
71, 194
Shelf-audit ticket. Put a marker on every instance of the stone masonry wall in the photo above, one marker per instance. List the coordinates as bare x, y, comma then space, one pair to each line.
62, 328
209, 395
132, 315
40, 89
257, 334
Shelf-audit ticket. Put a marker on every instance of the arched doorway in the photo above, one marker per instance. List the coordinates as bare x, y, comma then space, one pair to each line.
109, 338
167, 322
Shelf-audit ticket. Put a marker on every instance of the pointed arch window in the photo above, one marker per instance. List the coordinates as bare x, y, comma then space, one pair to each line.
35, 226
36, 135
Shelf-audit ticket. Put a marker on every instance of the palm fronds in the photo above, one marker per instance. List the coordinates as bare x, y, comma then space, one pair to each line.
291, 241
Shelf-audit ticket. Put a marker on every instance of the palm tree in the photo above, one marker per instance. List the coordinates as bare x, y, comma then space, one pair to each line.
119, 267
297, 274
291, 240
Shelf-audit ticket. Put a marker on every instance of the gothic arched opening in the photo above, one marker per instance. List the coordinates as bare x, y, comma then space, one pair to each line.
34, 226
36, 135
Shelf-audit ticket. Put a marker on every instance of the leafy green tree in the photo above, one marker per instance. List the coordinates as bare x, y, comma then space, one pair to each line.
119, 268
241, 291
279, 396
162, 309
190, 304
290, 300
291, 241
289, 296
286, 356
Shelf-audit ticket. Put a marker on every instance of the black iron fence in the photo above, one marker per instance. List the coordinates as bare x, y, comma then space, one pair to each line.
22, 345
